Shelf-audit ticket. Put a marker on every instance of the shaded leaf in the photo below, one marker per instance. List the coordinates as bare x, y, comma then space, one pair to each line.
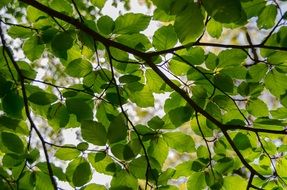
82, 174
42, 98
94, 132
117, 130
12, 142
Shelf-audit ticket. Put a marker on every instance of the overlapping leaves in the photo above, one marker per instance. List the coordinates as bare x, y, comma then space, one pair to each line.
107, 88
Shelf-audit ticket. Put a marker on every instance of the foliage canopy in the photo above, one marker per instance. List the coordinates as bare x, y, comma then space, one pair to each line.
199, 104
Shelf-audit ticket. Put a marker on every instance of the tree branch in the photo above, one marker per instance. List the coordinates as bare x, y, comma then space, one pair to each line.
147, 57
26, 106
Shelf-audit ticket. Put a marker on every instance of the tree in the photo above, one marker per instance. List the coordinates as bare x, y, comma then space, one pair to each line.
204, 98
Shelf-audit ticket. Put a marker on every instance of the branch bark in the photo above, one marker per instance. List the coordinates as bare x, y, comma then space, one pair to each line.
147, 57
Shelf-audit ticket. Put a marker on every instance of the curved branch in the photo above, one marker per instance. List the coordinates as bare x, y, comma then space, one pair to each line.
27, 109
147, 57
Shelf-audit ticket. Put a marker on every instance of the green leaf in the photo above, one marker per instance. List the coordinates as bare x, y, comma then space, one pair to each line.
129, 78
267, 17
106, 25
155, 123
154, 82
67, 153
231, 57
257, 108
173, 102
164, 38
267, 123
224, 82
58, 115
253, 8
180, 115
138, 167
26, 69
213, 180
94, 186
165, 176
241, 141
99, 3
43, 181
62, 6
33, 155
5, 86
178, 67
34, 15
257, 72
42, 98
131, 23
102, 163
33, 48
61, 43
164, 4
278, 57
158, 149
196, 181
20, 32
224, 165
4, 3
12, 142
275, 82
94, 132
80, 108
279, 113
230, 182
137, 41
214, 28
138, 96
189, 24
82, 174
161, 15
12, 160
12, 104
82, 146
79, 68
123, 180
179, 141
224, 11
117, 130
123, 151
184, 169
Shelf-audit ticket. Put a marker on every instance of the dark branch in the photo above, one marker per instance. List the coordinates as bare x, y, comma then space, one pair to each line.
26, 106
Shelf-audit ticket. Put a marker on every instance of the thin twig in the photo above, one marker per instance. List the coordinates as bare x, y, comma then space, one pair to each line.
78, 11
27, 109
148, 169
206, 143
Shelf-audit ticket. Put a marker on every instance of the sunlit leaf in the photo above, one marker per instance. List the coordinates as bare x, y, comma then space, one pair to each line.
179, 141
193, 18
164, 38
131, 23
67, 153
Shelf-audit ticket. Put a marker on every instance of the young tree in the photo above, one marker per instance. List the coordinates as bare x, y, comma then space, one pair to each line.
199, 104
